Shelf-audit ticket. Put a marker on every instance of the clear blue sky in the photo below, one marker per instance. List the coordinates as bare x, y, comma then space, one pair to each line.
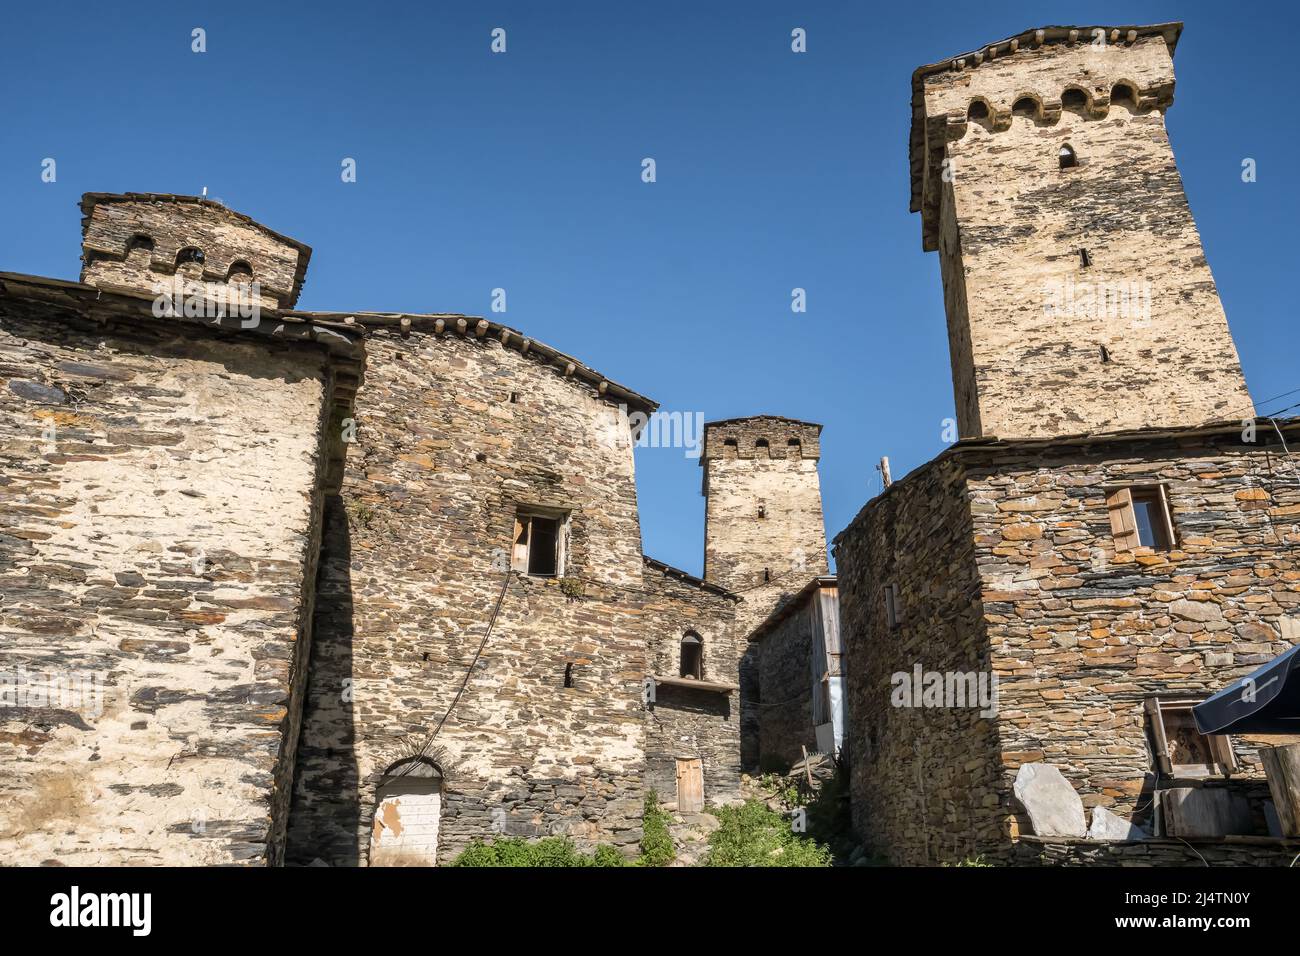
522, 171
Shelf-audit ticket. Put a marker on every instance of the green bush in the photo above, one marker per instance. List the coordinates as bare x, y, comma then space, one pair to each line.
753, 835
551, 851
656, 842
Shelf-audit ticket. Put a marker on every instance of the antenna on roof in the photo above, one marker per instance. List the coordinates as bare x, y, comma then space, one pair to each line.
883, 468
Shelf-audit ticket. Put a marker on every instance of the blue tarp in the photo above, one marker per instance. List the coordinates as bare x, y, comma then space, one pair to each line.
1264, 702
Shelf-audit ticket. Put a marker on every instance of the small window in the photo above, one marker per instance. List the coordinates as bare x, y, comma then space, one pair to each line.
794, 448
692, 664
1025, 106
1123, 93
1140, 517
1180, 749
1105, 355
761, 448
893, 606
240, 271
1068, 158
139, 241
729, 449
1085, 258
978, 110
189, 254
539, 545
1074, 98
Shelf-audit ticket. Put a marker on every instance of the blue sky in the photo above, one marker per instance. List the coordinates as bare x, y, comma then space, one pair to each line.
522, 171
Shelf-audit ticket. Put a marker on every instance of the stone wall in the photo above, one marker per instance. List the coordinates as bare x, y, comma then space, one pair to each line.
923, 779
161, 509
1028, 318
785, 689
764, 530
1036, 851
455, 432
1005, 560
1082, 635
173, 223
689, 723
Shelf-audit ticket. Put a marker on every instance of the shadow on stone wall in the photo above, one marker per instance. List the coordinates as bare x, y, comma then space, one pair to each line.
326, 817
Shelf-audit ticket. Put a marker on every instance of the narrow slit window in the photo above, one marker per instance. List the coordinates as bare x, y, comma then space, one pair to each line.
1067, 157
1105, 355
893, 606
1085, 258
692, 662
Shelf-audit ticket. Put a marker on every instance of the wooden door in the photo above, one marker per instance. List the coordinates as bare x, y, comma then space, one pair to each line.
405, 831
690, 786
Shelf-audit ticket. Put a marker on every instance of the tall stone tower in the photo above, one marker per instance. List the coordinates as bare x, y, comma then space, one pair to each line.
764, 534
1077, 291
763, 528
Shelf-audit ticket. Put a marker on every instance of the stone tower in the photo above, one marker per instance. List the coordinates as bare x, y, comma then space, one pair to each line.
764, 535
1077, 292
763, 528
141, 241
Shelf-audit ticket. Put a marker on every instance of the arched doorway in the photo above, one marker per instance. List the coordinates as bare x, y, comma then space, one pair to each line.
408, 807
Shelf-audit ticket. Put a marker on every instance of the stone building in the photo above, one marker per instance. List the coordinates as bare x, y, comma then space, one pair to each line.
800, 678
1044, 176
764, 531
1112, 538
160, 530
352, 588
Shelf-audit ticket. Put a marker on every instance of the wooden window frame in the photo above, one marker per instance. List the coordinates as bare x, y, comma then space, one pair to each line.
1223, 761
1123, 517
521, 551
893, 607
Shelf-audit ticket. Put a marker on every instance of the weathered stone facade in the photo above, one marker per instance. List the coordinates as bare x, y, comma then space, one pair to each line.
795, 675
455, 434
159, 541
923, 780
1012, 569
1035, 851
308, 593
138, 240
764, 530
999, 607
700, 722
1067, 285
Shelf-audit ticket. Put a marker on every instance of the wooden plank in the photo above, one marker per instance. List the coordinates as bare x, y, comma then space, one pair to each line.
1123, 523
1170, 531
519, 556
690, 785
1282, 767
1204, 812
1158, 734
